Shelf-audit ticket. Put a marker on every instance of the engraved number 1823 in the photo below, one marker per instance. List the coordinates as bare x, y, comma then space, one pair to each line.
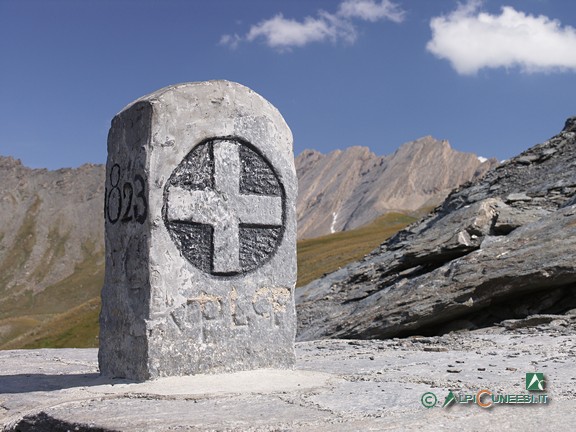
128, 202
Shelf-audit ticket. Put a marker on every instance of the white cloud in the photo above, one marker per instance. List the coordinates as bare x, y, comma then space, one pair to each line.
282, 33
369, 10
231, 40
279, 32
471, 40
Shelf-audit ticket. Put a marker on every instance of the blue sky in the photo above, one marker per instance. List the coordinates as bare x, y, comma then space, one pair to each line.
491, 77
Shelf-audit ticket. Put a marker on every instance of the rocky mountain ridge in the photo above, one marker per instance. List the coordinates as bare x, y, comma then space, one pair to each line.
501, 247
345, 189
51, 241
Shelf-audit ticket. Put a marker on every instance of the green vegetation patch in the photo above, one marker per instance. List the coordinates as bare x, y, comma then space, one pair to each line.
21, 249
55, 251
326, 254
80, 288
77, 328
13, 327
82, 285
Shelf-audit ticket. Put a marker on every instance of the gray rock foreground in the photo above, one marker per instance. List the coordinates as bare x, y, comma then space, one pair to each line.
343, 385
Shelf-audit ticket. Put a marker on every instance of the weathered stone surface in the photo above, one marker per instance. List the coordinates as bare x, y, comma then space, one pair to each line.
499, 248
337, 385
200, 235
510, 218
518, 197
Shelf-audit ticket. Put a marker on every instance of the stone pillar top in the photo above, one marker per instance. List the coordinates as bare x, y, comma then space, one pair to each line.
229, 99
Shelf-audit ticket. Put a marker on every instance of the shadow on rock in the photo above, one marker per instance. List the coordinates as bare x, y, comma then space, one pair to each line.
27, 383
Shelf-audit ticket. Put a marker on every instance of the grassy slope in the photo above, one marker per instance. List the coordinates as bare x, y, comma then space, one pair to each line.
42, 314
78, 327
326, 254
18, 257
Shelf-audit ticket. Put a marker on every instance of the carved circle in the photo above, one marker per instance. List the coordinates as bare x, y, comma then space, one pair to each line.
196, 190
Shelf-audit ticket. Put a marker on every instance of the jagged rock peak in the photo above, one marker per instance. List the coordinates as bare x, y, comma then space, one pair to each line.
345, 189
8, 162
308, 153
426, 141
570, 125
352, 150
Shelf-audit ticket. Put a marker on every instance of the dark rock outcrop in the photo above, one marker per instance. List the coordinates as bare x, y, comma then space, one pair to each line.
498, 248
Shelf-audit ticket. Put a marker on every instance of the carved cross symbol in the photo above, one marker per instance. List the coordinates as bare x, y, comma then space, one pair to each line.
224, 208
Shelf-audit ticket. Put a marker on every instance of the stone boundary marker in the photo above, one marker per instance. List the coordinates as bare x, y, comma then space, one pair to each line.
200, 235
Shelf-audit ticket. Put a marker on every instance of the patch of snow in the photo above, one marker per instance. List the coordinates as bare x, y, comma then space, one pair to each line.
334, 219
482, 159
